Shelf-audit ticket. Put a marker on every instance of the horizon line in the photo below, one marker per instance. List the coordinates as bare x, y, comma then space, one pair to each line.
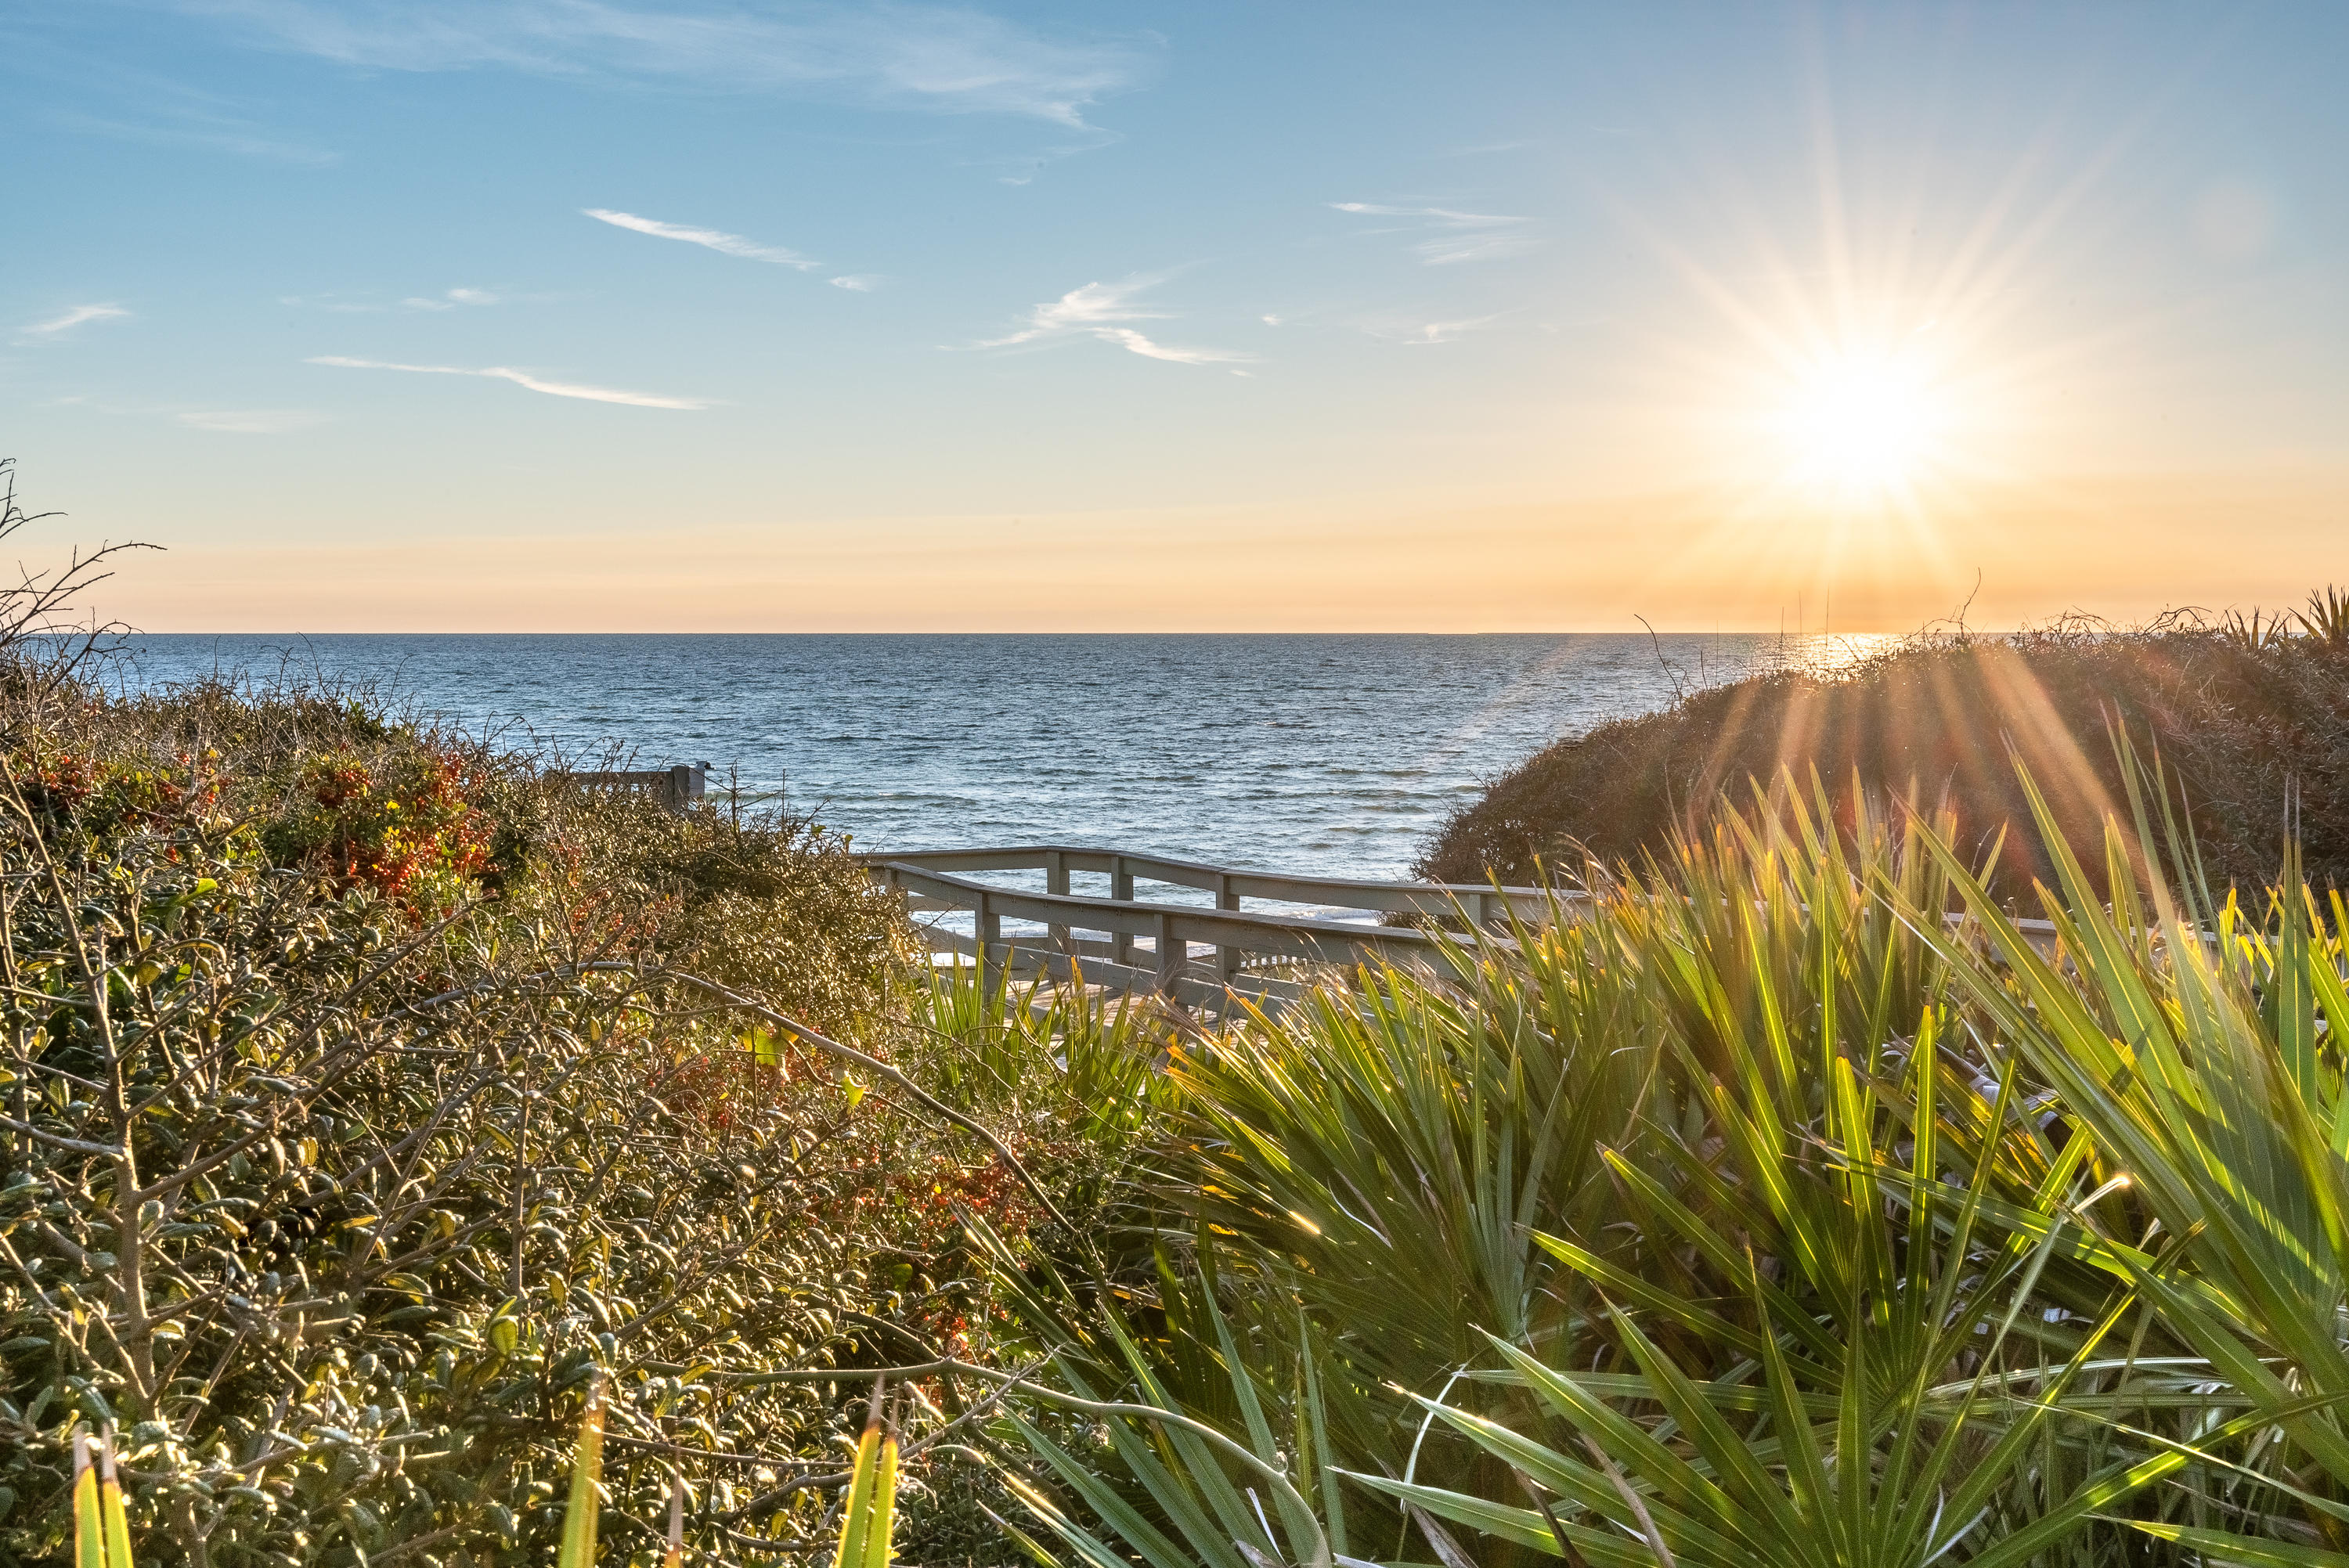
1037, 632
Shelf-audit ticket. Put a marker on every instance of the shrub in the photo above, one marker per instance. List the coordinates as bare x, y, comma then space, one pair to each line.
2253, 728
344, 1141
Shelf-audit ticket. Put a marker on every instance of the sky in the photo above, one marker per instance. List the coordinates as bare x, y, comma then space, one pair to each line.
748, 314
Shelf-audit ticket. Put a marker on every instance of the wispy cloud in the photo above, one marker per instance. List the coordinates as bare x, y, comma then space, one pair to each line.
1458, 237
717, 240
251, 421
77, 315
1127, 338
347, 304
123, 102
1445, 215
1448, 331
933, 57
450, 300
205, 133
1430, 331
1081, 309
520, 378
857, 282
1101, 310
111, 96
336, 303
1472, 247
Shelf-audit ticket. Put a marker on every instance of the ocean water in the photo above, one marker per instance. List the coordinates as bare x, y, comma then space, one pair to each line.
1327, 753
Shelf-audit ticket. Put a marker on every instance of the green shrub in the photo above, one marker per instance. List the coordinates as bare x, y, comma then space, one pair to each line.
344, 1141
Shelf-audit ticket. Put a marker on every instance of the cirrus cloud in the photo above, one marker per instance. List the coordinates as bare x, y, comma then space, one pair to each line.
520, 378
77, 315
251, 421
1459, 236
1100, 310
718, 240
948, 58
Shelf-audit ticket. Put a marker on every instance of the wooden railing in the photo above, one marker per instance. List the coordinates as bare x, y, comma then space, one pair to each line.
1257, 957
678, 788
1251, 948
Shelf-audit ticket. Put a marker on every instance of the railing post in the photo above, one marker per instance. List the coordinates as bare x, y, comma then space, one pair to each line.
1318, 940
1227, 958
1056, 880
1121, 888
987, 927
1172, 955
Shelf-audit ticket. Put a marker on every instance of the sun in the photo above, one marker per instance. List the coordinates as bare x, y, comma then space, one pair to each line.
1863, 421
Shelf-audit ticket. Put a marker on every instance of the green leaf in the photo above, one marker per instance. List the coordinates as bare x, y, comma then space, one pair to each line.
2220, 1546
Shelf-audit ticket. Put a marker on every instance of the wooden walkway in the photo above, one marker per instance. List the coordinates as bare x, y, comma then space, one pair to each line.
1252, 955
1122, 943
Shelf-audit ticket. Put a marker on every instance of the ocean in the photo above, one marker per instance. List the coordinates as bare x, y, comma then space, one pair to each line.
1328, 754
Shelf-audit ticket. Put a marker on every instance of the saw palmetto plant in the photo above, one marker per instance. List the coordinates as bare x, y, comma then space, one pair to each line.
2326, 619
586, 1501
1798, 1204
101, 1528
868, 1521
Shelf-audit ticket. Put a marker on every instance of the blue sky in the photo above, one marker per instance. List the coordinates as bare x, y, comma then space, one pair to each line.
618, 313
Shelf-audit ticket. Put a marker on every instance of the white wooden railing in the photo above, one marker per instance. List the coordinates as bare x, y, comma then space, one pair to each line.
1256, 955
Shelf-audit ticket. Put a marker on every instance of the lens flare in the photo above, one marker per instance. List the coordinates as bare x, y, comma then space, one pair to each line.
1863, 421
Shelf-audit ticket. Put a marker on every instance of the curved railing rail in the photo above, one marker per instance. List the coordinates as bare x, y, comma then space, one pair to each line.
1485, 903
929, 881
929, 877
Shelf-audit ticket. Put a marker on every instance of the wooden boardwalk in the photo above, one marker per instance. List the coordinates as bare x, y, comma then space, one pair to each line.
1252, 954
1120, 942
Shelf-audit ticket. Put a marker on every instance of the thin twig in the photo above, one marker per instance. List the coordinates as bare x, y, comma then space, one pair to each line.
806, 1036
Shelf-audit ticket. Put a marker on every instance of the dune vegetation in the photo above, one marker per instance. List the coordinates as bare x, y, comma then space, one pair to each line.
413, 1158
370, 1102
1795, 1205
2250, 714
358, 1110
